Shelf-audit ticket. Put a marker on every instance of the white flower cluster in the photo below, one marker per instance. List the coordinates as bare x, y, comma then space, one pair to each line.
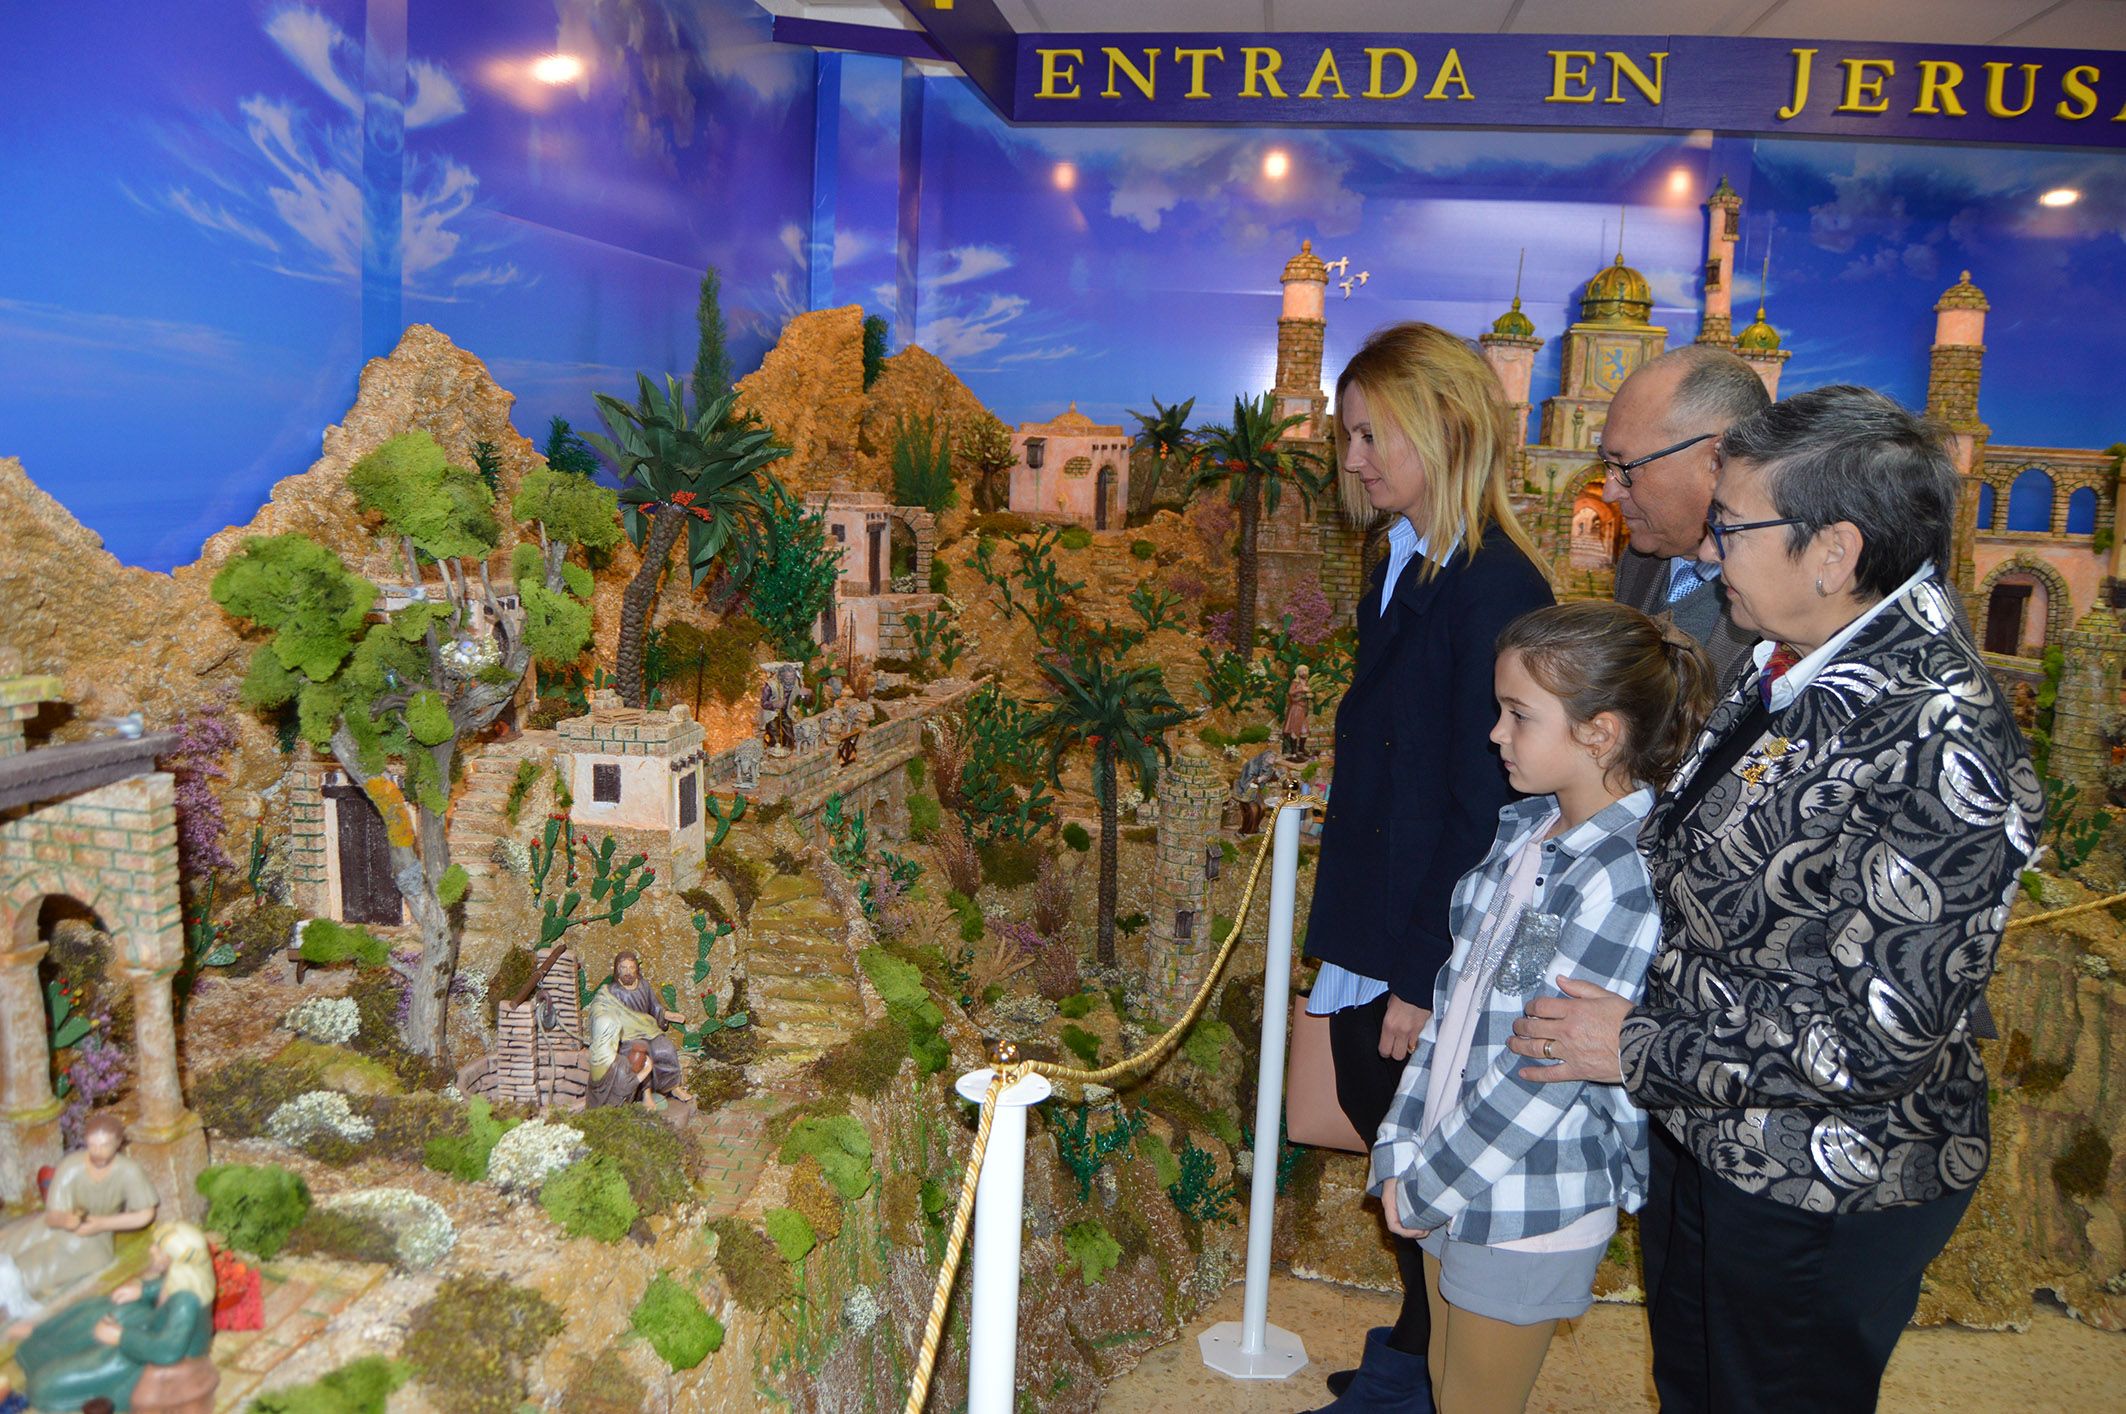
861, 1311
317, 1112
533, 1152
421, 1232
329, 1021
511, 854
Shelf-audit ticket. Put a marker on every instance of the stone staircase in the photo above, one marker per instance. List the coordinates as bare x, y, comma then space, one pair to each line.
800, 973
477, 821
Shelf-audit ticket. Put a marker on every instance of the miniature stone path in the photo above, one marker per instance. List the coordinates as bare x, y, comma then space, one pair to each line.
300, 1297
477, 819
735, 1147
800, 978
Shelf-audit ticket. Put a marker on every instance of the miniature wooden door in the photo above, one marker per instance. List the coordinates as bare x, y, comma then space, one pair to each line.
367, 894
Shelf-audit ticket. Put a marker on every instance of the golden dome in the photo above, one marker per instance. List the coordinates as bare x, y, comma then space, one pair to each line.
1617, 295
1963, 295
1305, 266
1759, 337
1513, 324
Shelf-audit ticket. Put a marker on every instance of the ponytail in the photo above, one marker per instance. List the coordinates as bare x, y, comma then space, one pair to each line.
1595, 656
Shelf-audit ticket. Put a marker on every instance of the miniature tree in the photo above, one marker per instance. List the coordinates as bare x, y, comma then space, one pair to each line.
701, 475
1164, 435
1248, 458
875, 332
565, 510
794, 581
922, 465
712, 365
408, 686
985, 445
565, 451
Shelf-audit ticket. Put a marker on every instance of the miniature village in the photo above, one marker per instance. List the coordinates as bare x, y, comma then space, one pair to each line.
530, 916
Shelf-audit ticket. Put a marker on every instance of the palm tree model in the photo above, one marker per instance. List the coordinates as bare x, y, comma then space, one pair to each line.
1164, 434
1247, 456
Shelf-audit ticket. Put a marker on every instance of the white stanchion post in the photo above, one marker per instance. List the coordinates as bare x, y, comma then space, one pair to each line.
993, 1335
1251, 1348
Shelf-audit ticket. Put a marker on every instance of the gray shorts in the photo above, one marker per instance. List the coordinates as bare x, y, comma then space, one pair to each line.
1519, 1288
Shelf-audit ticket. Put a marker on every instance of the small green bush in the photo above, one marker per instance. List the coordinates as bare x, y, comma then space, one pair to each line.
359, 1387
464, 1156
1214, 738
1165, 1166
471, 1342
838, 1144
865, 1064
326, 942
655, 1158
1206, 1043
259, 936
1093, 1248
791, 1234
1011, 864
1077, 837
254, 1207
1083, 1044
900, 986
1081, 1005
675, 1323
590, 1198
344, 1237
758, 1277
940, 576
1144, 549
1252, 734
1077, 537
924, 814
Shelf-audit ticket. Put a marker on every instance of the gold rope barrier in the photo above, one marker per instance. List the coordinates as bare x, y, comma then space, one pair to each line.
2029, 918
1004, 1076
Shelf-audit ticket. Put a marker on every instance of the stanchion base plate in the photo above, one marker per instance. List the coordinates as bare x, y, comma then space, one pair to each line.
1282, 1353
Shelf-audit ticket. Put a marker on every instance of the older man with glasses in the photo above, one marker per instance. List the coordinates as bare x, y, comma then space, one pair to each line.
1658, 449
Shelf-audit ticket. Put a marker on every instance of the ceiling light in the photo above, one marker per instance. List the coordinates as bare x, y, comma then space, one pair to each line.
1275, 164
1679, 181
1066, 176
557, 69
2060, 196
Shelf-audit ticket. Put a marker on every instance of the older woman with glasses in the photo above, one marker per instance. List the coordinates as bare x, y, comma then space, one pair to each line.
1833, 861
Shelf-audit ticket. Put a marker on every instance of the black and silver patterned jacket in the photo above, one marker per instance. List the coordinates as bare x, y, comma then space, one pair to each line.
1831, 910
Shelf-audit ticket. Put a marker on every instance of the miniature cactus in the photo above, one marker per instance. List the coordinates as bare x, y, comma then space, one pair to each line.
616, 886
705, 937
725, 822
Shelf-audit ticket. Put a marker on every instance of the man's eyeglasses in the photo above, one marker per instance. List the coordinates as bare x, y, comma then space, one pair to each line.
1622, 470
1720, 531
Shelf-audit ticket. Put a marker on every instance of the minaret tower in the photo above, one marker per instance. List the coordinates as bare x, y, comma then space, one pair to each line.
1953, 368
1301, 330
1723, 227
1759, 343
1510, 349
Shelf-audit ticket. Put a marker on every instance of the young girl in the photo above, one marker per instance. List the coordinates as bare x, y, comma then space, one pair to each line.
1510, 1185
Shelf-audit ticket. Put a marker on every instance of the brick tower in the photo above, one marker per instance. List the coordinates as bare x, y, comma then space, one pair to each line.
1954, 366
1510, 348
1180, 944
1301, 330
1723, 227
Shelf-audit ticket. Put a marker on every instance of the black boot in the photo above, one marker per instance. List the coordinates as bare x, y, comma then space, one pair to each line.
1387, 1381
1340, 1381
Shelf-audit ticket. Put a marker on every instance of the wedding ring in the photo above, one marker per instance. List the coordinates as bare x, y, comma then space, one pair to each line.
1549, 1051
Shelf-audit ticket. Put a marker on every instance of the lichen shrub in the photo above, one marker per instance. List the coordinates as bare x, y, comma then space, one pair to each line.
471, 1344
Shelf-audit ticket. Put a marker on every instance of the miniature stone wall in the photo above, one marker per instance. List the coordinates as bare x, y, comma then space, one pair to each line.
1191, 790
2089, 698
535, 1065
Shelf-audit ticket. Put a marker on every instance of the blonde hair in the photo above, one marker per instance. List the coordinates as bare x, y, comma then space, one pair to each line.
191, 1262
1436, 392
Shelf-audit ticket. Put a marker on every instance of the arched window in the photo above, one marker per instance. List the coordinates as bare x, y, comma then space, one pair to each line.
1985, 506
2081, 511
2030, 501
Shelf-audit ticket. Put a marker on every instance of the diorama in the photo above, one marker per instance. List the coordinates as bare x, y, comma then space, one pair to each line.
537, 743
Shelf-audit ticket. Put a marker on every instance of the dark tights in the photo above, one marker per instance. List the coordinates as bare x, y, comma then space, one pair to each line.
1365, 1085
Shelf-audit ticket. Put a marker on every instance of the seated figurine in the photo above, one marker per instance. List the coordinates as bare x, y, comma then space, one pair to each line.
104, 1349
96, 1191
627, 1008
626, 1080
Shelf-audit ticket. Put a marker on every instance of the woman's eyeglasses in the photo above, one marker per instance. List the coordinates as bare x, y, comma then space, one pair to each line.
1720, 530
1622, 470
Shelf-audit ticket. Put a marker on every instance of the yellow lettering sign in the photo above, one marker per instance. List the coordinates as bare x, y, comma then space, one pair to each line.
1195, 58
1938, 79
1621, 67
1378, 61
2075, 84
1564, 71
1055, 73
1804, 59
1450, 71
1324, 72
1260, 65
1143, 80
1997, 81
1863, 85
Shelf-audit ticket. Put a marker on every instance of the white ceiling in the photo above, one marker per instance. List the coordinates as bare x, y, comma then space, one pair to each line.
2055, 24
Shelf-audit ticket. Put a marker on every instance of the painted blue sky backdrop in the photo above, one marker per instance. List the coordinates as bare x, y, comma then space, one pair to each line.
181, 276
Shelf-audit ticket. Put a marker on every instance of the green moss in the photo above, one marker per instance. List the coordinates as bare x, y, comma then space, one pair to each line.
1185, 1111
1074, 1007
900, 985
590, 1198
512, 975
2083, 1169
1143, 549
1010, 864
791, 1234
1252, 734
838, 1144
1220, 926
936, 1198
259, 936
1082, 1044
1164, 1165
1205, 1044
464, 1155
340, 1069
676, 1324
450, 889
326, 943
1093, 1248
360, 1387
1076, 836
1076, 537
344, 1237
716, 1084
237, 1099
742, 875
753, 1268
655, 1158
924, 814
375, 994
866, 1063
255, 1208
471, 1343
812, 1196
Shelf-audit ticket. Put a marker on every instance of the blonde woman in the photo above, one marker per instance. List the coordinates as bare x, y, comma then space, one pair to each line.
103, 1347
1423, 438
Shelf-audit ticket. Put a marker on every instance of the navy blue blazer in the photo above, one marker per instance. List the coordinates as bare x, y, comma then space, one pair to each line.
1415, 799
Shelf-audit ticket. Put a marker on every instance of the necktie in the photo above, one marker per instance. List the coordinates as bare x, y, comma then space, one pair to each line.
1775, 668
1683, 580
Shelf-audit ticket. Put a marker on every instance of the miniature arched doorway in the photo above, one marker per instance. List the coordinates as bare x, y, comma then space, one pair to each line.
1103, 496
2030, 501
901, 547
87, 1006
1597, 531
2015, 605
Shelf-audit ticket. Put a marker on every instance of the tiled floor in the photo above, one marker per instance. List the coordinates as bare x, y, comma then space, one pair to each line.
1599, 1365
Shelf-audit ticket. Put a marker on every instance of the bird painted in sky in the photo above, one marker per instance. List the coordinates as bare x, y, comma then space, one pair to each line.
1345, 286
1341, 265
1364, 275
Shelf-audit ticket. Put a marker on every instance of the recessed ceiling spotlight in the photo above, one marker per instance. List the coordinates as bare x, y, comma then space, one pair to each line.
2060, 196
1679, 180
557, 69
1065, 176
1275, 164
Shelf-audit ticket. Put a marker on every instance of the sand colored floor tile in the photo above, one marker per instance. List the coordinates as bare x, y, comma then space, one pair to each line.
1599, 1365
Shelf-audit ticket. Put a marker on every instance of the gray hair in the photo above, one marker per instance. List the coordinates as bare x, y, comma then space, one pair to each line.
1716, 386
1850, 454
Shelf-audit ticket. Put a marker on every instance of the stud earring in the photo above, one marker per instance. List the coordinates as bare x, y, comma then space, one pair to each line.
1819, 586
